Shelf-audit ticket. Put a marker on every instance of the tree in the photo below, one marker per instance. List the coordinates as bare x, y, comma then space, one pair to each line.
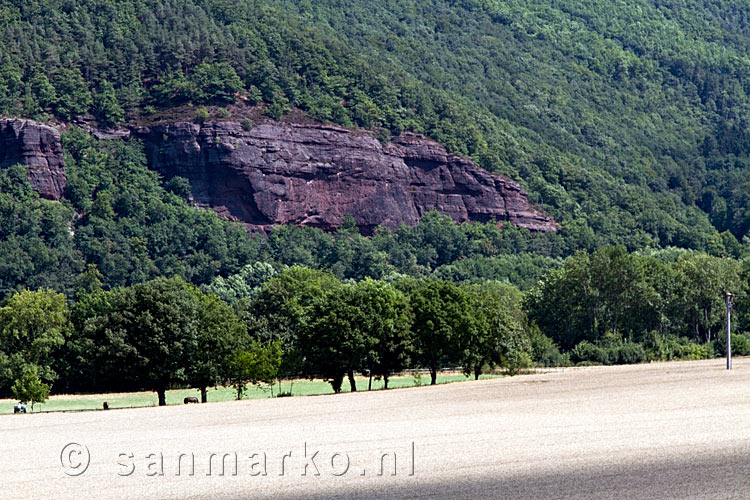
73, 94
442, 314
220, 333
606, 291
141, 337
246, 284
497, 336
33, 326
106, 107
215, 82
337, 340
703, 280
387, 320
285, 304
162, 322
30, 388
257, 363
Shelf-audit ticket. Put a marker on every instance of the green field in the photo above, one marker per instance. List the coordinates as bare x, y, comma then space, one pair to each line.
81, 402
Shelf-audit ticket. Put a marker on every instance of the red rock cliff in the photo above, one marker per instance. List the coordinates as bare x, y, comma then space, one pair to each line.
37, 147
314, 175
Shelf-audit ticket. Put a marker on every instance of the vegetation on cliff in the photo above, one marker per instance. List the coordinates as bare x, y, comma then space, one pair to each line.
624, 121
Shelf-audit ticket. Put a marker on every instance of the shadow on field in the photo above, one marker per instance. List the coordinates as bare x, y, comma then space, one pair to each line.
706, 477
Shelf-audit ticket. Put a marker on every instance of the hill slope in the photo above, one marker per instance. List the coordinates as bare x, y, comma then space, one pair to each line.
624, 120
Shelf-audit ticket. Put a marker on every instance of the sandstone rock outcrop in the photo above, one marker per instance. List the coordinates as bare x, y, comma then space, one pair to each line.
38, 147
314, 175
311, 175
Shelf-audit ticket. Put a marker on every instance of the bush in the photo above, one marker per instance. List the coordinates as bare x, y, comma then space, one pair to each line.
630, 353
585, 351
516, 361
179, 186
690, 350
222, 113
659, 347
544, 351
201, 115
668, 347
247, 124
740, 345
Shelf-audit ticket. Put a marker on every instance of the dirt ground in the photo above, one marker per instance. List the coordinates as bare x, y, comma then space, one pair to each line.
666, 430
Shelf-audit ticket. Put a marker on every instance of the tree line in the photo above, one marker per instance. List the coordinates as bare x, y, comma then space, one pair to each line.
167, 333
270, 322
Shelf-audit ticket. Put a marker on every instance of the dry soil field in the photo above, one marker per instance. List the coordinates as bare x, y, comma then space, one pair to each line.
670, 430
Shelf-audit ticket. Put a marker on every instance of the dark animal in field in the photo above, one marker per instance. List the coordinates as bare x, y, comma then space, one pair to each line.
191, 399
105, 406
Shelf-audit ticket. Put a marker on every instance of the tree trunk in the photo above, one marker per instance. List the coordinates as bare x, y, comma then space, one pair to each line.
369, 385
385, 381
477, 372
352, 382
433, 374
204, 395
336, 383
162, 393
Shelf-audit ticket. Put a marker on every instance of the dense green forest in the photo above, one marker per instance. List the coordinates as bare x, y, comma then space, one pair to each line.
625, 121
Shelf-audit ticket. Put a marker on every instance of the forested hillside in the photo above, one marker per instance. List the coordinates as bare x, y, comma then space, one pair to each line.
624, 120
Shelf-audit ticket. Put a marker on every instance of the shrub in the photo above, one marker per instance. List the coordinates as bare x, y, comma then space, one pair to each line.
247, 124
585, 351
690, 350
544, 351
222, 113
201, 115
516, 361
630, 353
740, 345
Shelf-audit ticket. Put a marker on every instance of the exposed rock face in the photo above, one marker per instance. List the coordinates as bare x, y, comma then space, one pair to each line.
38, 147
310, 175
314, 175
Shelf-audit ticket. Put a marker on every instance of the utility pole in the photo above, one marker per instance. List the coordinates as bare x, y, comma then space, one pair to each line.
728, 300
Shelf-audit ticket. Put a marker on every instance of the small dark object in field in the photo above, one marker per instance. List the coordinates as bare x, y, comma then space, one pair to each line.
105, 406
191, 399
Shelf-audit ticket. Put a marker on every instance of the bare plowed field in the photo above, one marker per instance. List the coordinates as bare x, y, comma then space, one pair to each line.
667, 430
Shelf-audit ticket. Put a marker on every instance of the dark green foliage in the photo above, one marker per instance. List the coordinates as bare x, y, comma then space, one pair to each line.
625, 122
740, 345
220, 336
106, 107
608, 354
36, 248
357, 327
33, 326
74, 97
141, 337
611, 292
544, 351
283, 308
443, 317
